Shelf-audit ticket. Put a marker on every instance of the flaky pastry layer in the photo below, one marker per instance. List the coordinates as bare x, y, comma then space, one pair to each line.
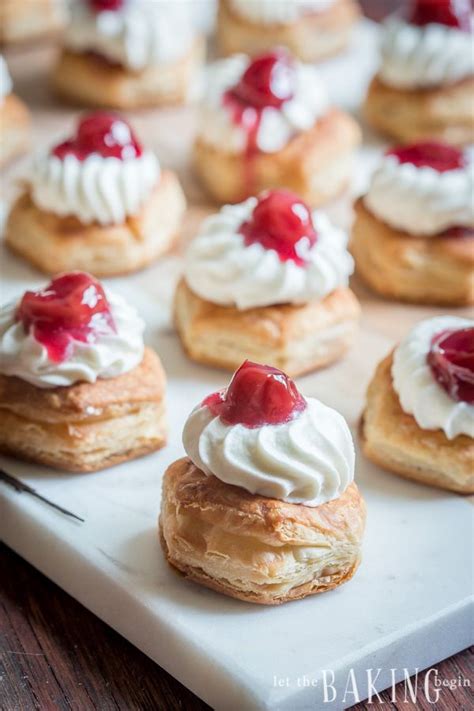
253, 548
443, 114
294, 338
426, 270
14, 129
393, 440
316, 164
58, 244
86, 426
89, 80
311, 38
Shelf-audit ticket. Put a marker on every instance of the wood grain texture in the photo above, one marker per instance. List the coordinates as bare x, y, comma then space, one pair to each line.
57, 655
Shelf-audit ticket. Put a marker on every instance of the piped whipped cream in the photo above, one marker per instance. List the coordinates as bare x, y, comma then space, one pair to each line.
111, 355
6, 83
422, 57
221, 268
308, 460
278, 12
140, 34
421, 200
277, 126
419, 393
99, 189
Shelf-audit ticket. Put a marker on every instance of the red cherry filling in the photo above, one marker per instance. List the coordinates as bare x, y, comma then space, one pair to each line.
104, 133
104, 5
451, 360
458, 232
257, 395
268, 81
283, 222
73, 307
430, 154
453, 13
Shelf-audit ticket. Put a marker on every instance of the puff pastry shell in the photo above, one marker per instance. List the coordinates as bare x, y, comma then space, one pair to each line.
294, 338
253, 548
15, 128
426, 270
60, 244
393, 440
87, 426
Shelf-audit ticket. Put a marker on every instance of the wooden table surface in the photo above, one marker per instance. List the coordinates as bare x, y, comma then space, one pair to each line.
57, 655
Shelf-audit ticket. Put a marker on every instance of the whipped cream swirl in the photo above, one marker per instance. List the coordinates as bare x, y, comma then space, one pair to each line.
111, 355
6, 84
138, 35
97, 189
278, 12
419, 393
421, 201
221, 268
422, 57
217, 127
308, 460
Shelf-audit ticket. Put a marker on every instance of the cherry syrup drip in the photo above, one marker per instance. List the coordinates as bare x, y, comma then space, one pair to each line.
452, 13
458, 232
268, 81
451, 360
73, 307
257, 395
430, 154
106, 5
104, 133
281, 221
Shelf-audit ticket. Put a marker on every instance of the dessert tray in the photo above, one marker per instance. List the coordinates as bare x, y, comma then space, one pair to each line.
408, 605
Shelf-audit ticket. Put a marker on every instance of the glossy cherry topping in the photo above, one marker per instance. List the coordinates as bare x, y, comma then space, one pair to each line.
453, 13
257, 395
283, 222
106, 5
104, 133
267, 82
73, 307
451, 360
430, 154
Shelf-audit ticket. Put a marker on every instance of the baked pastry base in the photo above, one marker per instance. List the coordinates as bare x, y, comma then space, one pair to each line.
311, 38
443, 114
425, 270
92, 81
393, 440
254, 548
316, 164
87, 426
15, 129
295, 338
29, 20
57, 244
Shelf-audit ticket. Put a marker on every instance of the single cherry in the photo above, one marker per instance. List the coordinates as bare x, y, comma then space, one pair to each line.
73, 307
453, 13
257, 395
283, 222
430, 154
106, 5
451, 360
104, 133
267, 81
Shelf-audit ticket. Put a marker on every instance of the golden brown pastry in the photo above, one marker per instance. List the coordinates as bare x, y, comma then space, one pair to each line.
78, 391
424, 89
15, 129
84, 209
392, 439
236, 520
413, 235
127, 55
311, 36
267, 279
30, 20
250, 139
